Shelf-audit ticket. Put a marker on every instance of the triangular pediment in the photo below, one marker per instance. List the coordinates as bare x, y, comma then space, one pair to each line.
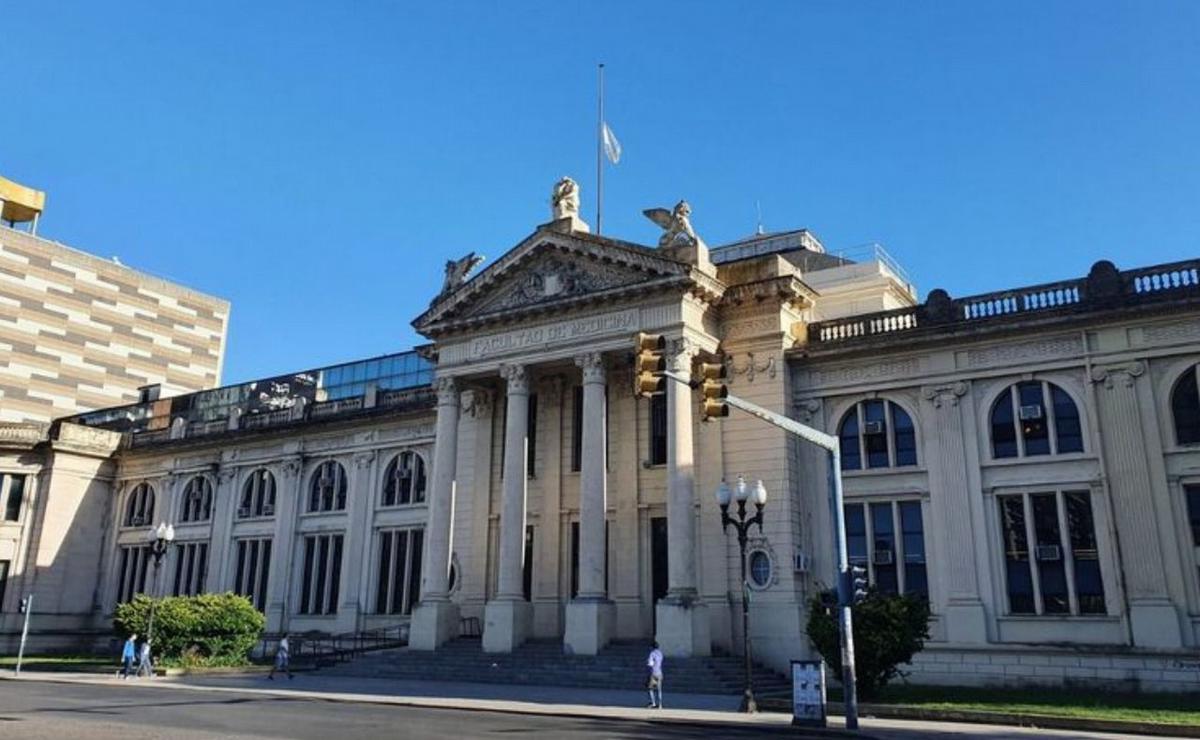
548, 271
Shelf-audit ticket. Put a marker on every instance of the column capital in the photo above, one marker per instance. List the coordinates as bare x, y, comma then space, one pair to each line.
225, 474
807, 408
364, 459
592, 365
947, 393
1124, 373
292, 466
447, 392
517, 379
679, 353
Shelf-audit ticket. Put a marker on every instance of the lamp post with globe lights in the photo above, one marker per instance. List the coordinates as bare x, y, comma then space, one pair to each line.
758, 496
161, 539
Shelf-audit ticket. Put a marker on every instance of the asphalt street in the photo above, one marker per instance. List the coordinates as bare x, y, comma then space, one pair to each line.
128, 711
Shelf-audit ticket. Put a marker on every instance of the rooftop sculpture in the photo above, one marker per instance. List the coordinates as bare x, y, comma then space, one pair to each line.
676, 224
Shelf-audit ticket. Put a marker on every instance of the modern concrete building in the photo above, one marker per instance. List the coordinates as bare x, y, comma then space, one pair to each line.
80, 333
1028, 460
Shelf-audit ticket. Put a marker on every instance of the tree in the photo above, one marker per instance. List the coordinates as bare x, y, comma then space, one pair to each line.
220, 627
889, 629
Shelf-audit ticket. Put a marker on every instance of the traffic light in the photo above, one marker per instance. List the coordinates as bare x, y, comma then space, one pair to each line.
858, 583
24, 607
650, 364
713, 390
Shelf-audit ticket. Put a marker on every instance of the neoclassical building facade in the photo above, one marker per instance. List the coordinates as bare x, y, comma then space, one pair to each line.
1029, 461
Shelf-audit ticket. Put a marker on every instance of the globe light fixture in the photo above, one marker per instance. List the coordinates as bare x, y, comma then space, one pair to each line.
742, 524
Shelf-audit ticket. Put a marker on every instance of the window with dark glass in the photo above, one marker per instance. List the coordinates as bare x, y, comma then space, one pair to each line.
258, 495
1192, 493
1035, 418
576, 429
404, 480
252, 570
328, 488
131, 574
139, 509
322, 573
1060, 573
398, 588
879, 434
658, 429
1185, 409
760, 569
887, 539
12, 492
197, 500
191, 568
4, 565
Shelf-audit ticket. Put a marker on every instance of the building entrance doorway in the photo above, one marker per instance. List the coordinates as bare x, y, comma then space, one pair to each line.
658, 565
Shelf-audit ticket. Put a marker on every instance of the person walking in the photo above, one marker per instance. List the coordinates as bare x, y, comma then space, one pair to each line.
282, 659
145, 665
654, 663
127, 655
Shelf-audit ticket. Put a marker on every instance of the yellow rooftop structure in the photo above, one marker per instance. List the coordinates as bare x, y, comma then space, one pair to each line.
19, 203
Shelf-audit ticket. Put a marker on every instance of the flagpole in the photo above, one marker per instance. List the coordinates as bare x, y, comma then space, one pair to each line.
600, 151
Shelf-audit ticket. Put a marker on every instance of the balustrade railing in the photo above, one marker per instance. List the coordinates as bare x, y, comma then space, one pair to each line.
339, 406
1101, 288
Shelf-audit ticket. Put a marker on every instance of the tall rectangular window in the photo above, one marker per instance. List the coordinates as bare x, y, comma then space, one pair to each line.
191, 568
576, 429
658, 429
1051, 559
321, 576
888, 539
398, 586
12, 489
252, 570
4, 565
135, 563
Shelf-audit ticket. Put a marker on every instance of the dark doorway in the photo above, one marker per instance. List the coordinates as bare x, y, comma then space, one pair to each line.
527, 576
658, 562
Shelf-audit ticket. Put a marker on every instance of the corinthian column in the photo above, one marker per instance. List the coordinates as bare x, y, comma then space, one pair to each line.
683, 628
590, 616
507, 618
435, 620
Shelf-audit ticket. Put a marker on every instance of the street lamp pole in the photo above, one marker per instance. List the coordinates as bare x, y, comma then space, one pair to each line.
742, 524
160, 541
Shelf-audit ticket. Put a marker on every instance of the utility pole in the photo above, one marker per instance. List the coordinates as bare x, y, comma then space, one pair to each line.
26, 608
845, 578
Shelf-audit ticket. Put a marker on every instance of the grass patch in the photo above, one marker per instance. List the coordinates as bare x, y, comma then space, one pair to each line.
60, 662
1169, 709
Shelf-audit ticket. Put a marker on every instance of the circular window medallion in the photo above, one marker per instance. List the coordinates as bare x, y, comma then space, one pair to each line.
760, 569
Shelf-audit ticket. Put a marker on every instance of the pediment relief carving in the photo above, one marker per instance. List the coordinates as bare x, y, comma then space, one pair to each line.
554, 277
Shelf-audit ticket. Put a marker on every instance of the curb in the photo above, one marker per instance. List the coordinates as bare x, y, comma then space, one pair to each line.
1044, 721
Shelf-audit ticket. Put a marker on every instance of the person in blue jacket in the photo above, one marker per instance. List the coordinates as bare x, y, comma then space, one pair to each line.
127, 656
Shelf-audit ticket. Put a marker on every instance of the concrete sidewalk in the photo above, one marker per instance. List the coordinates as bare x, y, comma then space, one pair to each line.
535, 700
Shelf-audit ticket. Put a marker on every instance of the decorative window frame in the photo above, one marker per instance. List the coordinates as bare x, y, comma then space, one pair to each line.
133, 486
393, 455
839, 409
1068, 384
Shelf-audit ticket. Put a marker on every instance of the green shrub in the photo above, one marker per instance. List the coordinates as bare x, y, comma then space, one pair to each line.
209, 628
888, 631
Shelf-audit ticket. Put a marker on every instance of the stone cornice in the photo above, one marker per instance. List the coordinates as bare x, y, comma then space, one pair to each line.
23, 435
787, 290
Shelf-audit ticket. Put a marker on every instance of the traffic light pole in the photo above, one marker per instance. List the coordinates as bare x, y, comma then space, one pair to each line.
28, 604
845, 587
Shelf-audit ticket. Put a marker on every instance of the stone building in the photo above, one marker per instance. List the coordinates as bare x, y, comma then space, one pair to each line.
1027, 460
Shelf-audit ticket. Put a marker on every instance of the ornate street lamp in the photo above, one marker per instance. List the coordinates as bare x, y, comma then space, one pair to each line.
160, 541
741, 493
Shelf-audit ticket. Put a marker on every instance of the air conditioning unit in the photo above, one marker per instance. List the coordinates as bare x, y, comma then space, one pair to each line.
1049, 553
1032, 412
268, 510
243, 512
136, 521
801, 562
883, 557
873, 427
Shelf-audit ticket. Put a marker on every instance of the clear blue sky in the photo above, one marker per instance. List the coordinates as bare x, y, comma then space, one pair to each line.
317, 163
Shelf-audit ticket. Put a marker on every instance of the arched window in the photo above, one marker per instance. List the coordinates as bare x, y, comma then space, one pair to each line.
1185, 409
879, 433
1035, 418
139, 510
197, 500
258, 495
328, 489
404, 480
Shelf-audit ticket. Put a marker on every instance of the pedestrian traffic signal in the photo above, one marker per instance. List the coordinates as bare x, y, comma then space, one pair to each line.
713, 390
24, 607
650, 364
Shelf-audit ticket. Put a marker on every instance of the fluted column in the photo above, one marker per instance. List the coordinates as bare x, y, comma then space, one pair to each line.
590, 616
683, 628
435, 619
287, 507
225, 501
1154, 620
507, 617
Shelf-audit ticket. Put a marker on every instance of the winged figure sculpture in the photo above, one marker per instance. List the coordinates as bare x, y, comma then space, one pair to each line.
458, 270
676, 224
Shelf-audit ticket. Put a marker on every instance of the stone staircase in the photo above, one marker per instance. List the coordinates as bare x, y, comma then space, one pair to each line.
621, 665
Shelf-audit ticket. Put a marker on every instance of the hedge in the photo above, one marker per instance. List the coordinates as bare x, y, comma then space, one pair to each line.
224, 627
